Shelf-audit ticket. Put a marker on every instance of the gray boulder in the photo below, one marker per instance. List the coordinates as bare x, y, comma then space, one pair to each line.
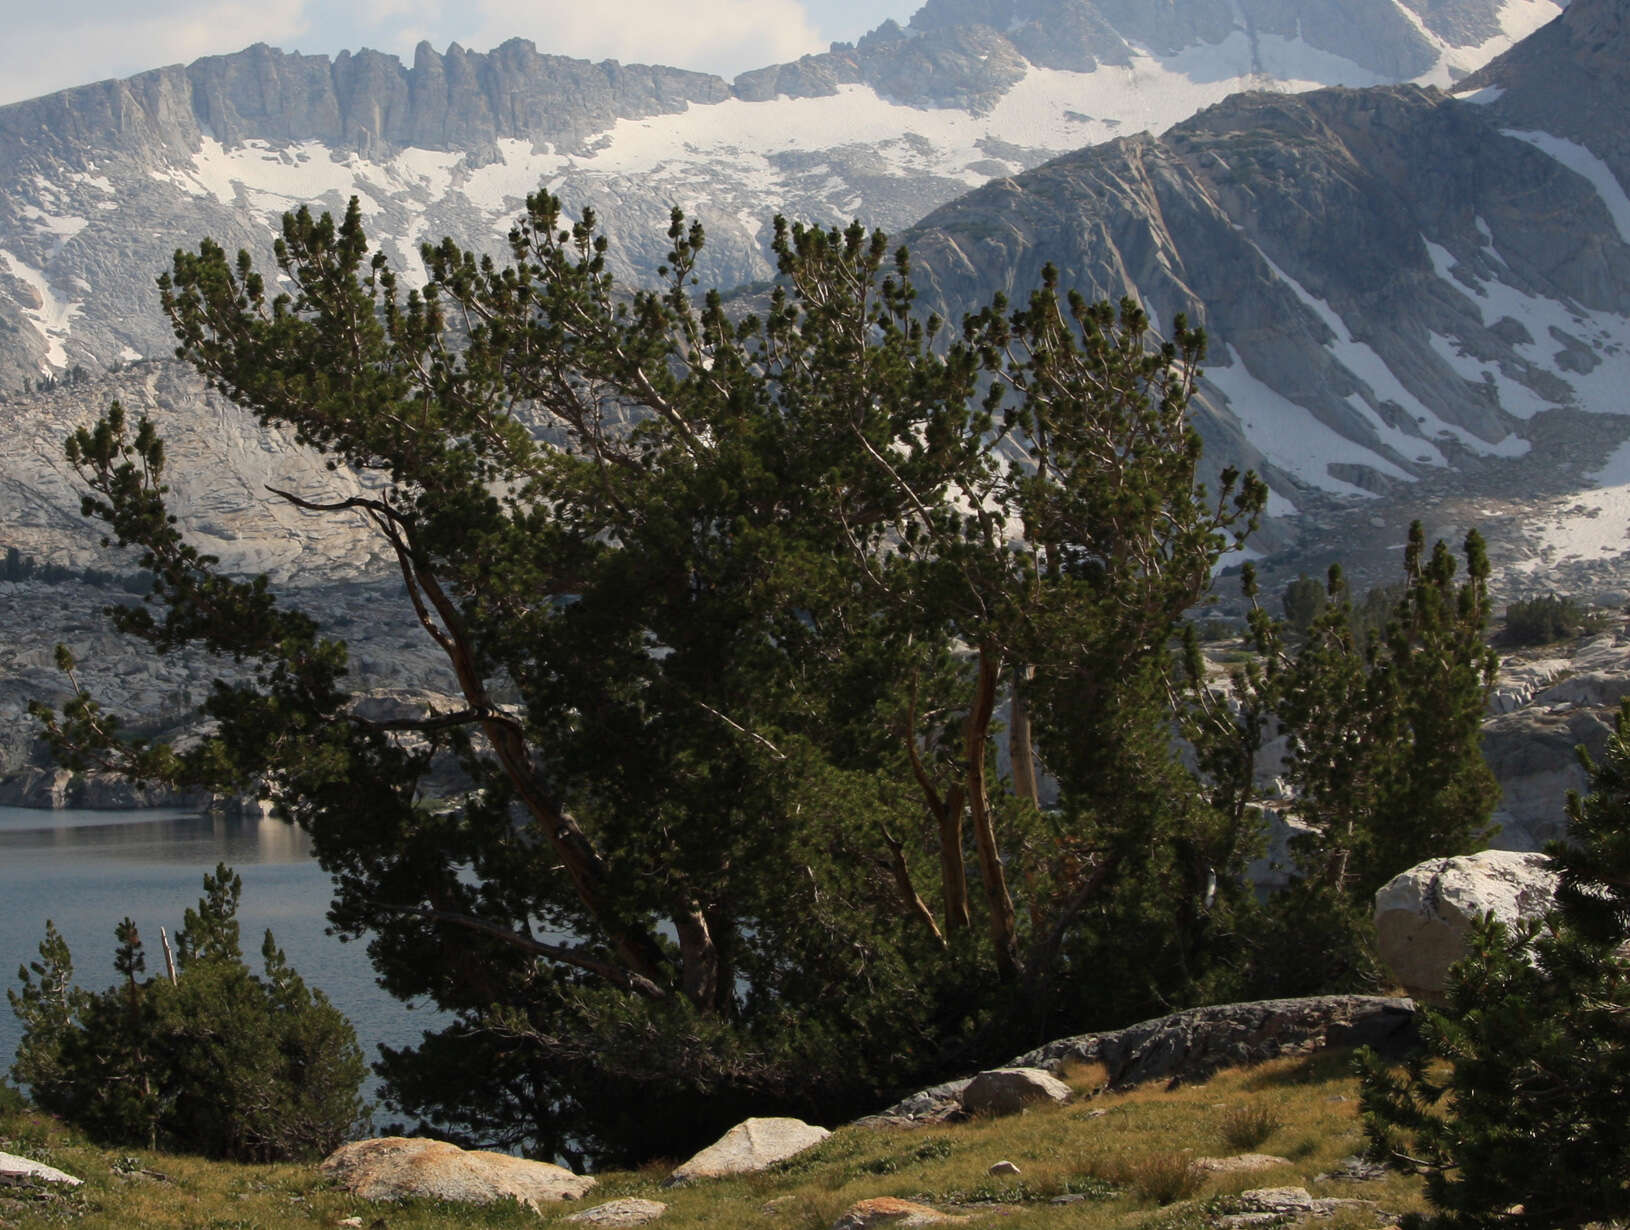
22, 1172
1007, 1091
400, 1168
752, 1145
1423, 915
630, 1211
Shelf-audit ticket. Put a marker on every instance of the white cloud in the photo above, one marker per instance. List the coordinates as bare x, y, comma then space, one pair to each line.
723, 36
49, 48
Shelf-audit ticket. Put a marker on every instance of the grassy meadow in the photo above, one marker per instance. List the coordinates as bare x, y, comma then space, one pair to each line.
1128, 1159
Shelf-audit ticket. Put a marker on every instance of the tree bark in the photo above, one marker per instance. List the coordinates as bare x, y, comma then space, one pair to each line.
947, 813
1020, 751
909, 896
699, 958
953, 867
1003, 927
636, 947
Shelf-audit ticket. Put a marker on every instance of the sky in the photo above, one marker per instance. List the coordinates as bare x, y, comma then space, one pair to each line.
46, 48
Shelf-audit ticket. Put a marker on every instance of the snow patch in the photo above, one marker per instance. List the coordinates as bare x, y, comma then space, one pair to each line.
63, 226
100, 182
1591, 525
1050, 109
272, 179
500, 186
1289, 436
1604, 389
52, 317
1518, 19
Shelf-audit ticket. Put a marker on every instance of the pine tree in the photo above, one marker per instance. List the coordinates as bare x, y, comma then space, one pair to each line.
1382, 705
1386, 731
732, 602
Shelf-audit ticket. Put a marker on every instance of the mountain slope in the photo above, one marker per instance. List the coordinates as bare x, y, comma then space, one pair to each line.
1396, 281
99, 184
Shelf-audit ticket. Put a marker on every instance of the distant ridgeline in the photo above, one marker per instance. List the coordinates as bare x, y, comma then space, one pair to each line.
99, 184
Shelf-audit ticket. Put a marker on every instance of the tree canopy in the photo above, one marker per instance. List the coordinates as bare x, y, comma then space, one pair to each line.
816, 666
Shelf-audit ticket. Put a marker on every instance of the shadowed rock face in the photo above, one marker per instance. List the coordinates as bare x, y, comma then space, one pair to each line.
1569, 79
462, 100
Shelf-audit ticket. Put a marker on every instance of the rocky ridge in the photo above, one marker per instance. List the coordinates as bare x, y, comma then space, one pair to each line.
102, 182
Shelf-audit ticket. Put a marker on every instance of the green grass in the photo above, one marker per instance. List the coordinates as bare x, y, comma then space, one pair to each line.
1128, 1157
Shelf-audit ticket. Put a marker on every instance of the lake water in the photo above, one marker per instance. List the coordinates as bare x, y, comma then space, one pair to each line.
87, 870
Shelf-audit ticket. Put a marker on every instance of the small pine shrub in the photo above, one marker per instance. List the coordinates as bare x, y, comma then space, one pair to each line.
1302, 601
219, 1061
1519, 1098
1539, 621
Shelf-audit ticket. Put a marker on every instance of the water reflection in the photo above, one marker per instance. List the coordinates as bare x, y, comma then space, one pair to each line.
167, 838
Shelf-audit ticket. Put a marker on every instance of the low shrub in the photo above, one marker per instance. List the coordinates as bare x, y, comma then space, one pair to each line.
1539, 621
11, 1101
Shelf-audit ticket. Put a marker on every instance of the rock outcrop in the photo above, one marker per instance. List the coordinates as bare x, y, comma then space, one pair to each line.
1274, 1206
1545, 707
400, 1168
1423, 915
752, 1145
892, 1211
1192, 1045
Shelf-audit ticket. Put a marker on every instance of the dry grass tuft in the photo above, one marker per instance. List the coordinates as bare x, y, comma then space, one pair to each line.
1163, 1177
1246, 1126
